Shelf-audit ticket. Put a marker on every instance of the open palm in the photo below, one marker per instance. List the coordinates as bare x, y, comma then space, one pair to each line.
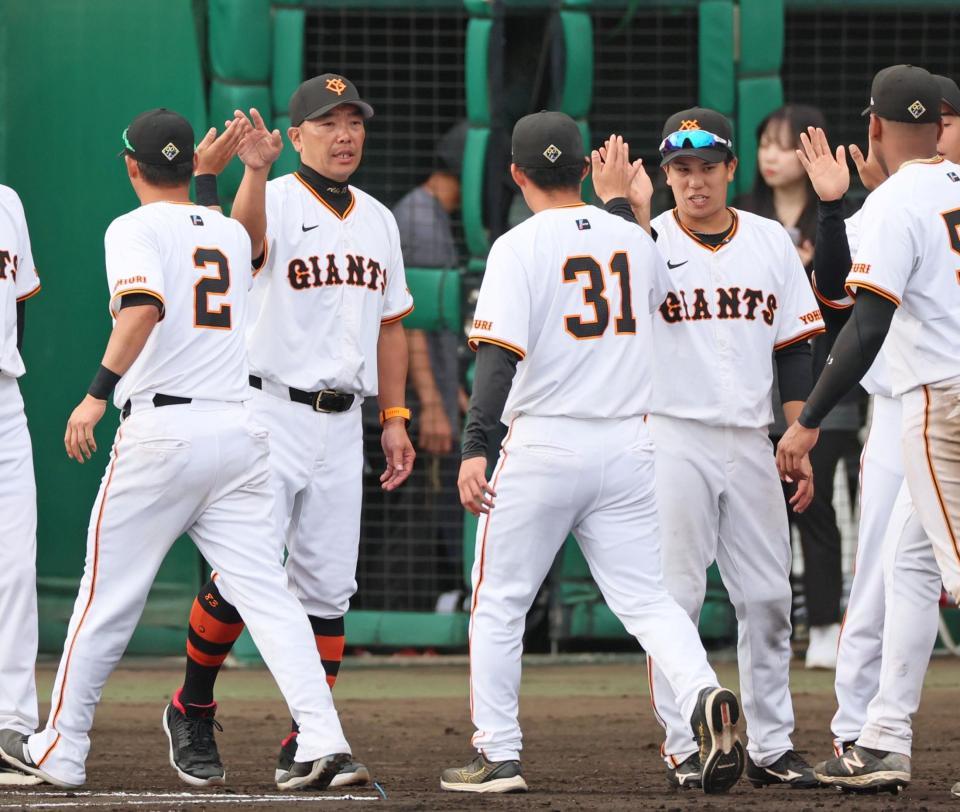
259, 147
828, 173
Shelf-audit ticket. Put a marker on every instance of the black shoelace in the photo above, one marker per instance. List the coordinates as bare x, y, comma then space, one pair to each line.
199, 733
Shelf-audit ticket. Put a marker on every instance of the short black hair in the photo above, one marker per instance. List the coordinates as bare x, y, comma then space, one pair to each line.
167, 176
555, 177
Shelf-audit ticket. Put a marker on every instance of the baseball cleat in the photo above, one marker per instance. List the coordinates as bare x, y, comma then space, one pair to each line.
12, 777
715, 727
686, 775
315, 774
839, 748
788, 770
14, 752
859, 770
481, 775
193, 748
352, 774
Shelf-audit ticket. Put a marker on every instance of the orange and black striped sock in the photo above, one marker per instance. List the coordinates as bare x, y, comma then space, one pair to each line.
215, 626
328, 632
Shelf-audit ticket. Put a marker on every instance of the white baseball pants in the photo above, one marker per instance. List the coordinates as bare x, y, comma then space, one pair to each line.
316, 467
594, 478
720, 499
18, 570
199, 468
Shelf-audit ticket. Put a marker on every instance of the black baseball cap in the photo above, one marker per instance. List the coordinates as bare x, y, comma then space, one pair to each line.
159, 137
686, 134
905, 93
319, 95
949, 92
546, 139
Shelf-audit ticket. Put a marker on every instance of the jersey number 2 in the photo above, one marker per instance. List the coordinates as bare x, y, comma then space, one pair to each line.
952, 219
593, 295
207, 286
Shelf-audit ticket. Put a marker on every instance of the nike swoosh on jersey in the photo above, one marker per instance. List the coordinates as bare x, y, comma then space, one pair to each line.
671, 266
309, 228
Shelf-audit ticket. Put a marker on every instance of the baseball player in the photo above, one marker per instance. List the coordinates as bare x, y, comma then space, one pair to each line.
18, 492
738, 296
910, 584
188, 457
564, 308
325, 333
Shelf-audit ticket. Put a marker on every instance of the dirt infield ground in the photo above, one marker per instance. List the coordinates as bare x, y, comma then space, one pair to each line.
590, 743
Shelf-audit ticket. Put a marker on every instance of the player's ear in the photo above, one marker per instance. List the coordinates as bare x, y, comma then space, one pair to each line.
133, 170
518, 177
585, 169
666, 172
875, 130
293, 133
196, 163
731, 167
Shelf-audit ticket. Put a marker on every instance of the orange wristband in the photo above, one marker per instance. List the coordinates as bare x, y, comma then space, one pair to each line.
395, 411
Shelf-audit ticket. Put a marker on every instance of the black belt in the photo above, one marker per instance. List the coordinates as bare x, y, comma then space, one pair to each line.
326, 400
158, 401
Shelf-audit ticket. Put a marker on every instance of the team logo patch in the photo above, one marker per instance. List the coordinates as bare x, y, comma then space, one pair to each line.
916, 109
336, 85
583, 225
954, 177
689, 124
170, 151
552, 153
196, 219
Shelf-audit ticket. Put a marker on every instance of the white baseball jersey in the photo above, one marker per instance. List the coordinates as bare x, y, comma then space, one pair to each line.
577, 314
909, 253
197, 349
18, 277
327, 284
728, 309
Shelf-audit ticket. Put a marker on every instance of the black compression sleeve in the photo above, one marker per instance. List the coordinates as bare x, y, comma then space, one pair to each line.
493, 377
207, 193
831, 256
794, 371
853, 352
137, 299
21, 315
620, 207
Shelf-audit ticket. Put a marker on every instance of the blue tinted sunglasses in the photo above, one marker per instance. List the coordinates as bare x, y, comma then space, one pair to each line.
693, 139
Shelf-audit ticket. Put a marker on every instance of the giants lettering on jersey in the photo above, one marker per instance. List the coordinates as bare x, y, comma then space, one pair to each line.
358, 271
731, 303
8, 262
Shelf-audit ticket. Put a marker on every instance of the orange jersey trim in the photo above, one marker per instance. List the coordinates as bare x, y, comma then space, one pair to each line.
851, 288
473, 344
257, 267
933, 473
327, 206
711, 248
483, 550
93, 588
570, 205
29, 295
831, 303
802, 337
392, 319
122, 293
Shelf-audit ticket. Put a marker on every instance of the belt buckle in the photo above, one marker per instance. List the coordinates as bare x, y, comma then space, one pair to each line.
316, 403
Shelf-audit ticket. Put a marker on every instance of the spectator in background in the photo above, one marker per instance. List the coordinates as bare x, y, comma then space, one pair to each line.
427, 240
782, 191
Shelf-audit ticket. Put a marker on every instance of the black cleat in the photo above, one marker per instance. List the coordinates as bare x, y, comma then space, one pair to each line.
715, 727
788, 770
858, 770
686, 775
481, 775
352, 774
193, 748
315, 774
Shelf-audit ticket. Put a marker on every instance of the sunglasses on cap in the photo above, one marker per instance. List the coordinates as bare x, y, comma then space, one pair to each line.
693, 139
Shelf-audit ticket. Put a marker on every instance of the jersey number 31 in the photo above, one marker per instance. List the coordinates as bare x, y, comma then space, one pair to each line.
593, 294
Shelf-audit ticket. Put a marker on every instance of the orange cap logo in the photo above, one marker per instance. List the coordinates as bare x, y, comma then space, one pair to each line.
689, 124
336, 85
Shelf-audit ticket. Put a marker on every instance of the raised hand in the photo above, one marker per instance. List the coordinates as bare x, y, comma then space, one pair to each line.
828, 173
259, 148
871, 173
612, 171
215, 152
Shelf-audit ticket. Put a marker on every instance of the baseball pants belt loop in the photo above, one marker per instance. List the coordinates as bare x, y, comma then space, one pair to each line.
326, 400
158, 401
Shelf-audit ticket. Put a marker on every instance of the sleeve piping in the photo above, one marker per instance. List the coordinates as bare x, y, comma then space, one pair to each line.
121, 293
29, 295
257, 267
851, 288
474, 341
834, 304
807, 334
397, 317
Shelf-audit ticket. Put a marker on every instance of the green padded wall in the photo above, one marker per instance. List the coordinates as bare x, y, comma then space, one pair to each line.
101, 65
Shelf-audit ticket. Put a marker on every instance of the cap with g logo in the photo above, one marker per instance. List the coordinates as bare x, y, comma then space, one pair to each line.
546, 139
318, 96
905, 93
159, 137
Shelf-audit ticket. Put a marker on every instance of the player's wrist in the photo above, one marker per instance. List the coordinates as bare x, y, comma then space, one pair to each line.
103, 383
206, 187
395, 415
